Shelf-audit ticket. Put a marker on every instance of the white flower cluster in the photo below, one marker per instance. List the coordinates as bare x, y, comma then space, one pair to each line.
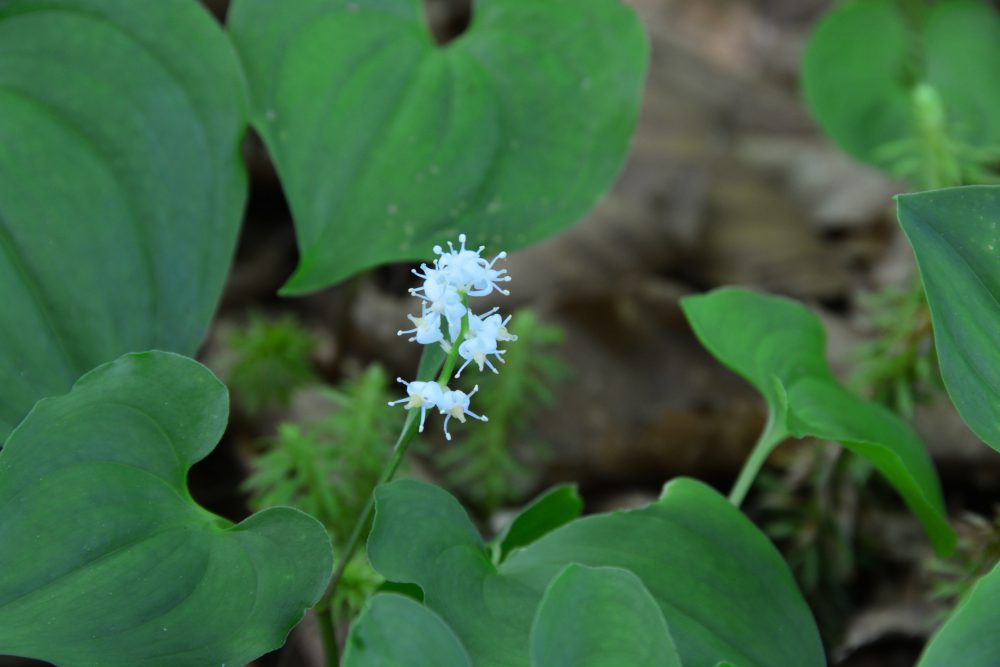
446, 319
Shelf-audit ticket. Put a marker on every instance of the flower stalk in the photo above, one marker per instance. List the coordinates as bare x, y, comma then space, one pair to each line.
446, 319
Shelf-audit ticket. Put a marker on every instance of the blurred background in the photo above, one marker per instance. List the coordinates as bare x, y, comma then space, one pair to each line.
729, 181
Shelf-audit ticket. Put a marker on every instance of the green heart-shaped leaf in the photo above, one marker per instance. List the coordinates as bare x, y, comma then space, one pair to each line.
105, 559
395, 630
969, 638
866, 57
778, 346
121, 186
556, 507
600, 617
385, 141
725, 592
955, 237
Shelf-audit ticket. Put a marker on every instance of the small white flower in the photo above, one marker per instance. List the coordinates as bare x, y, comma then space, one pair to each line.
488, 277
495, 327
423, 395
427, 329
485, 331
468, 271
441, 296
462, 265
477, 349
455, 404
476, 323
436, 283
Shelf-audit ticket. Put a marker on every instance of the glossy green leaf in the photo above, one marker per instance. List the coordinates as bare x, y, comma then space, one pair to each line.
866, 57
778, 345
396, 631
725, 592
106, 560
387, 143
121, 186
955, 236
600, 617
969, 638
556, 507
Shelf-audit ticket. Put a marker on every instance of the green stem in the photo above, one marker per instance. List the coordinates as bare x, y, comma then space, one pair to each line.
449, 363
325, 618
769, 439
406, 436
402, 443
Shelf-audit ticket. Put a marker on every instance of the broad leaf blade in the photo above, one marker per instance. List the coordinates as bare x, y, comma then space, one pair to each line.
554, 508
104, 557
394, 630
431, 360
746, 609
761, 338
955, 237
879, 53
969, 637
600, 617
121, 186
778, 345
959, 37
861, 46
387, 143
